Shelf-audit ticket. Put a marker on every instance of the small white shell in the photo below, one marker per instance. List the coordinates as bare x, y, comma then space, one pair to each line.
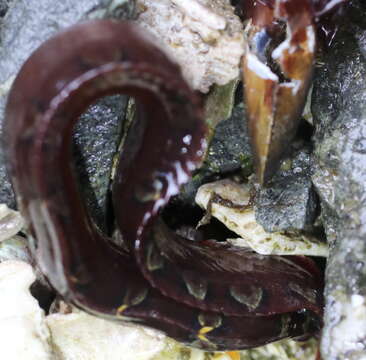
11, 222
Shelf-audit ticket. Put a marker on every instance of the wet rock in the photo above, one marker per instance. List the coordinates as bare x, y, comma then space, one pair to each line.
15, 248
229, 152
230, 147
339, 108
289, 201
219, 104
27, 24
96, 140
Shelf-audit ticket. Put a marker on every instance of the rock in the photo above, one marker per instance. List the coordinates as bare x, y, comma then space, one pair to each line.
15, 248
29, 23
96, 140
11, 222
205, 37
81, 336
4, 6
289, 201
22, 330
219, 103
229, 151
339, 109
230, 203
114, 9
230, 147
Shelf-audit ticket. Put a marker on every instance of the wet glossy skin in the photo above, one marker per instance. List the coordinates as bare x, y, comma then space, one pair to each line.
208, 294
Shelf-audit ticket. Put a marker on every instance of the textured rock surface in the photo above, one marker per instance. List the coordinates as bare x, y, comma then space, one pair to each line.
82, 336
26, 25
203, 36
11, 222
289, 201
230, 147
96, 140
15, 248
339, 108
4, 6
229, 151
22, 330
242, 222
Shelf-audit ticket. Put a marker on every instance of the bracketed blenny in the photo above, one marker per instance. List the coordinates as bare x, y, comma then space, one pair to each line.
208, 294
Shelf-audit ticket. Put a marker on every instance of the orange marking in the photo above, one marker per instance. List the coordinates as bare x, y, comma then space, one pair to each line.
121, 309
234, 355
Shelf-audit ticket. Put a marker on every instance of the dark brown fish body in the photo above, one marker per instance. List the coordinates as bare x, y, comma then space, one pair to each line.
209, 295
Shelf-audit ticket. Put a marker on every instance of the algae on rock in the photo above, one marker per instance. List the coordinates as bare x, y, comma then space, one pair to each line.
339, 109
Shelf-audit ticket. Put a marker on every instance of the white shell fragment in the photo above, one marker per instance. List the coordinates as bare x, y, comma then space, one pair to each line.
11, 222
15, 248
85, 337
243, 223
205, 37
23, 334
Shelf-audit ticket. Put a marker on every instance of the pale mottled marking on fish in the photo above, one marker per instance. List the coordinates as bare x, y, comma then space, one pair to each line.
252, 301
154, 260
132, 297
197, 287
212, 320
305, 293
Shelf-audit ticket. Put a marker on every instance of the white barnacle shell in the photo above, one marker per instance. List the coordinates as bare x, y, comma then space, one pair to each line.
205, 37
11, 222
243, 223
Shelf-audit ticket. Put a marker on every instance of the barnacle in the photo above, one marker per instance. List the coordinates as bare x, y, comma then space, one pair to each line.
277, 69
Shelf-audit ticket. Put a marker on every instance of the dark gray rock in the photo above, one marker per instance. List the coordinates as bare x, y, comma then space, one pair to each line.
230, 147
339, 109
289, 201
229, 151
27, 24
96, 140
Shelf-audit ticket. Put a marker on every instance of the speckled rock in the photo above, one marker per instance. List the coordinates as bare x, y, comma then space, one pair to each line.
289, 201
230, 146
96, 140
15, 248
339, 108
27, 24
4, 6
229, 151
114, 9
